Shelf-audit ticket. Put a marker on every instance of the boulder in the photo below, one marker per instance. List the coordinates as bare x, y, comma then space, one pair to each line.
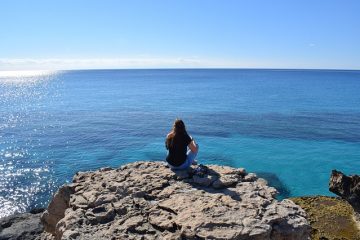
147, 200
347, 187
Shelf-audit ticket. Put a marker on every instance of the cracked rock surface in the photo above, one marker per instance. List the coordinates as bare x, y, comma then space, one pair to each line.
147, 200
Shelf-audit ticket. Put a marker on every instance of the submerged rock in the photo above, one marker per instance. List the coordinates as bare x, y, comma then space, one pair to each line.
330, 218
147, 200
347, 187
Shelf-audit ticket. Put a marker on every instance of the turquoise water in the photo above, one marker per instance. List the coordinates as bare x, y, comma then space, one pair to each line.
291, 127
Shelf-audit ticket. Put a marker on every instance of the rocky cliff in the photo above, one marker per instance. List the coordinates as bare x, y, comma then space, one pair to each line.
147, 200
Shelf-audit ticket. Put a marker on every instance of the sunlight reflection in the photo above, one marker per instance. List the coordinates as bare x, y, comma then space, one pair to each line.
16, 77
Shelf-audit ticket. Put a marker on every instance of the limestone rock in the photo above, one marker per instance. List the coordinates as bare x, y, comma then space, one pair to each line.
347, 187
147, 200
56, 208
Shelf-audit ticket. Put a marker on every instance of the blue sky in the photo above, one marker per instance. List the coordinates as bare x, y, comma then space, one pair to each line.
181, 33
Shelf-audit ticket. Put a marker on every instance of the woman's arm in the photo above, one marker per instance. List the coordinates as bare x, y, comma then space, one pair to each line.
193, 146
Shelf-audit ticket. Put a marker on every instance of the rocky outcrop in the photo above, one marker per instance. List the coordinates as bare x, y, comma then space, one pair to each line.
331, 218
25, 226
56, 208
347, 187
147, 200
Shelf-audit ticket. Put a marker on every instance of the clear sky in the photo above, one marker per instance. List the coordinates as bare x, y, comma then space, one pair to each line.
73, 34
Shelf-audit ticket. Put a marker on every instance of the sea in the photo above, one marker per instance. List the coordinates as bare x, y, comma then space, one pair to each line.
291, 127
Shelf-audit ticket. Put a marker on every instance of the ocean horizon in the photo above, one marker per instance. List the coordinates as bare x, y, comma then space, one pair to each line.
289, 126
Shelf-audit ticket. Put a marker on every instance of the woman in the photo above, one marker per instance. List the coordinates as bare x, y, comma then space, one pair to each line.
177, 142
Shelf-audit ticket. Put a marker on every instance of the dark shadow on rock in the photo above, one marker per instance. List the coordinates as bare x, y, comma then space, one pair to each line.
274, 181
206, 181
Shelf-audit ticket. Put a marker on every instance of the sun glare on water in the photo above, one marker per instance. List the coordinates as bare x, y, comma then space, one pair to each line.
16, 77
24, 123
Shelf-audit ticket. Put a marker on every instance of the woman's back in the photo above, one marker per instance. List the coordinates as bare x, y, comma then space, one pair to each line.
177, 146
177, 142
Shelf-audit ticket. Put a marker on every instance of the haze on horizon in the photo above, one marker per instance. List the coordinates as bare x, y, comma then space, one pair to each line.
89, 34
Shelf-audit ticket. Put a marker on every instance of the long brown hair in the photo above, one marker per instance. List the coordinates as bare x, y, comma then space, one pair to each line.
178, 129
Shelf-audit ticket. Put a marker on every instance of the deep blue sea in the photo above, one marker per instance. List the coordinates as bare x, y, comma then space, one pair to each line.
291, 127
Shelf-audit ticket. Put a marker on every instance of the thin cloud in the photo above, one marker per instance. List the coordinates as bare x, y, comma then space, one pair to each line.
119, 63
16, 64
92, 63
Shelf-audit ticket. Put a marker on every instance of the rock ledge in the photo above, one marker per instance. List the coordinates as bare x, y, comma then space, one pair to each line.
147, 200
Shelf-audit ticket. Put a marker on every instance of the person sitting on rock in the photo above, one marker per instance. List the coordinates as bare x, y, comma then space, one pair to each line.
177, 143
